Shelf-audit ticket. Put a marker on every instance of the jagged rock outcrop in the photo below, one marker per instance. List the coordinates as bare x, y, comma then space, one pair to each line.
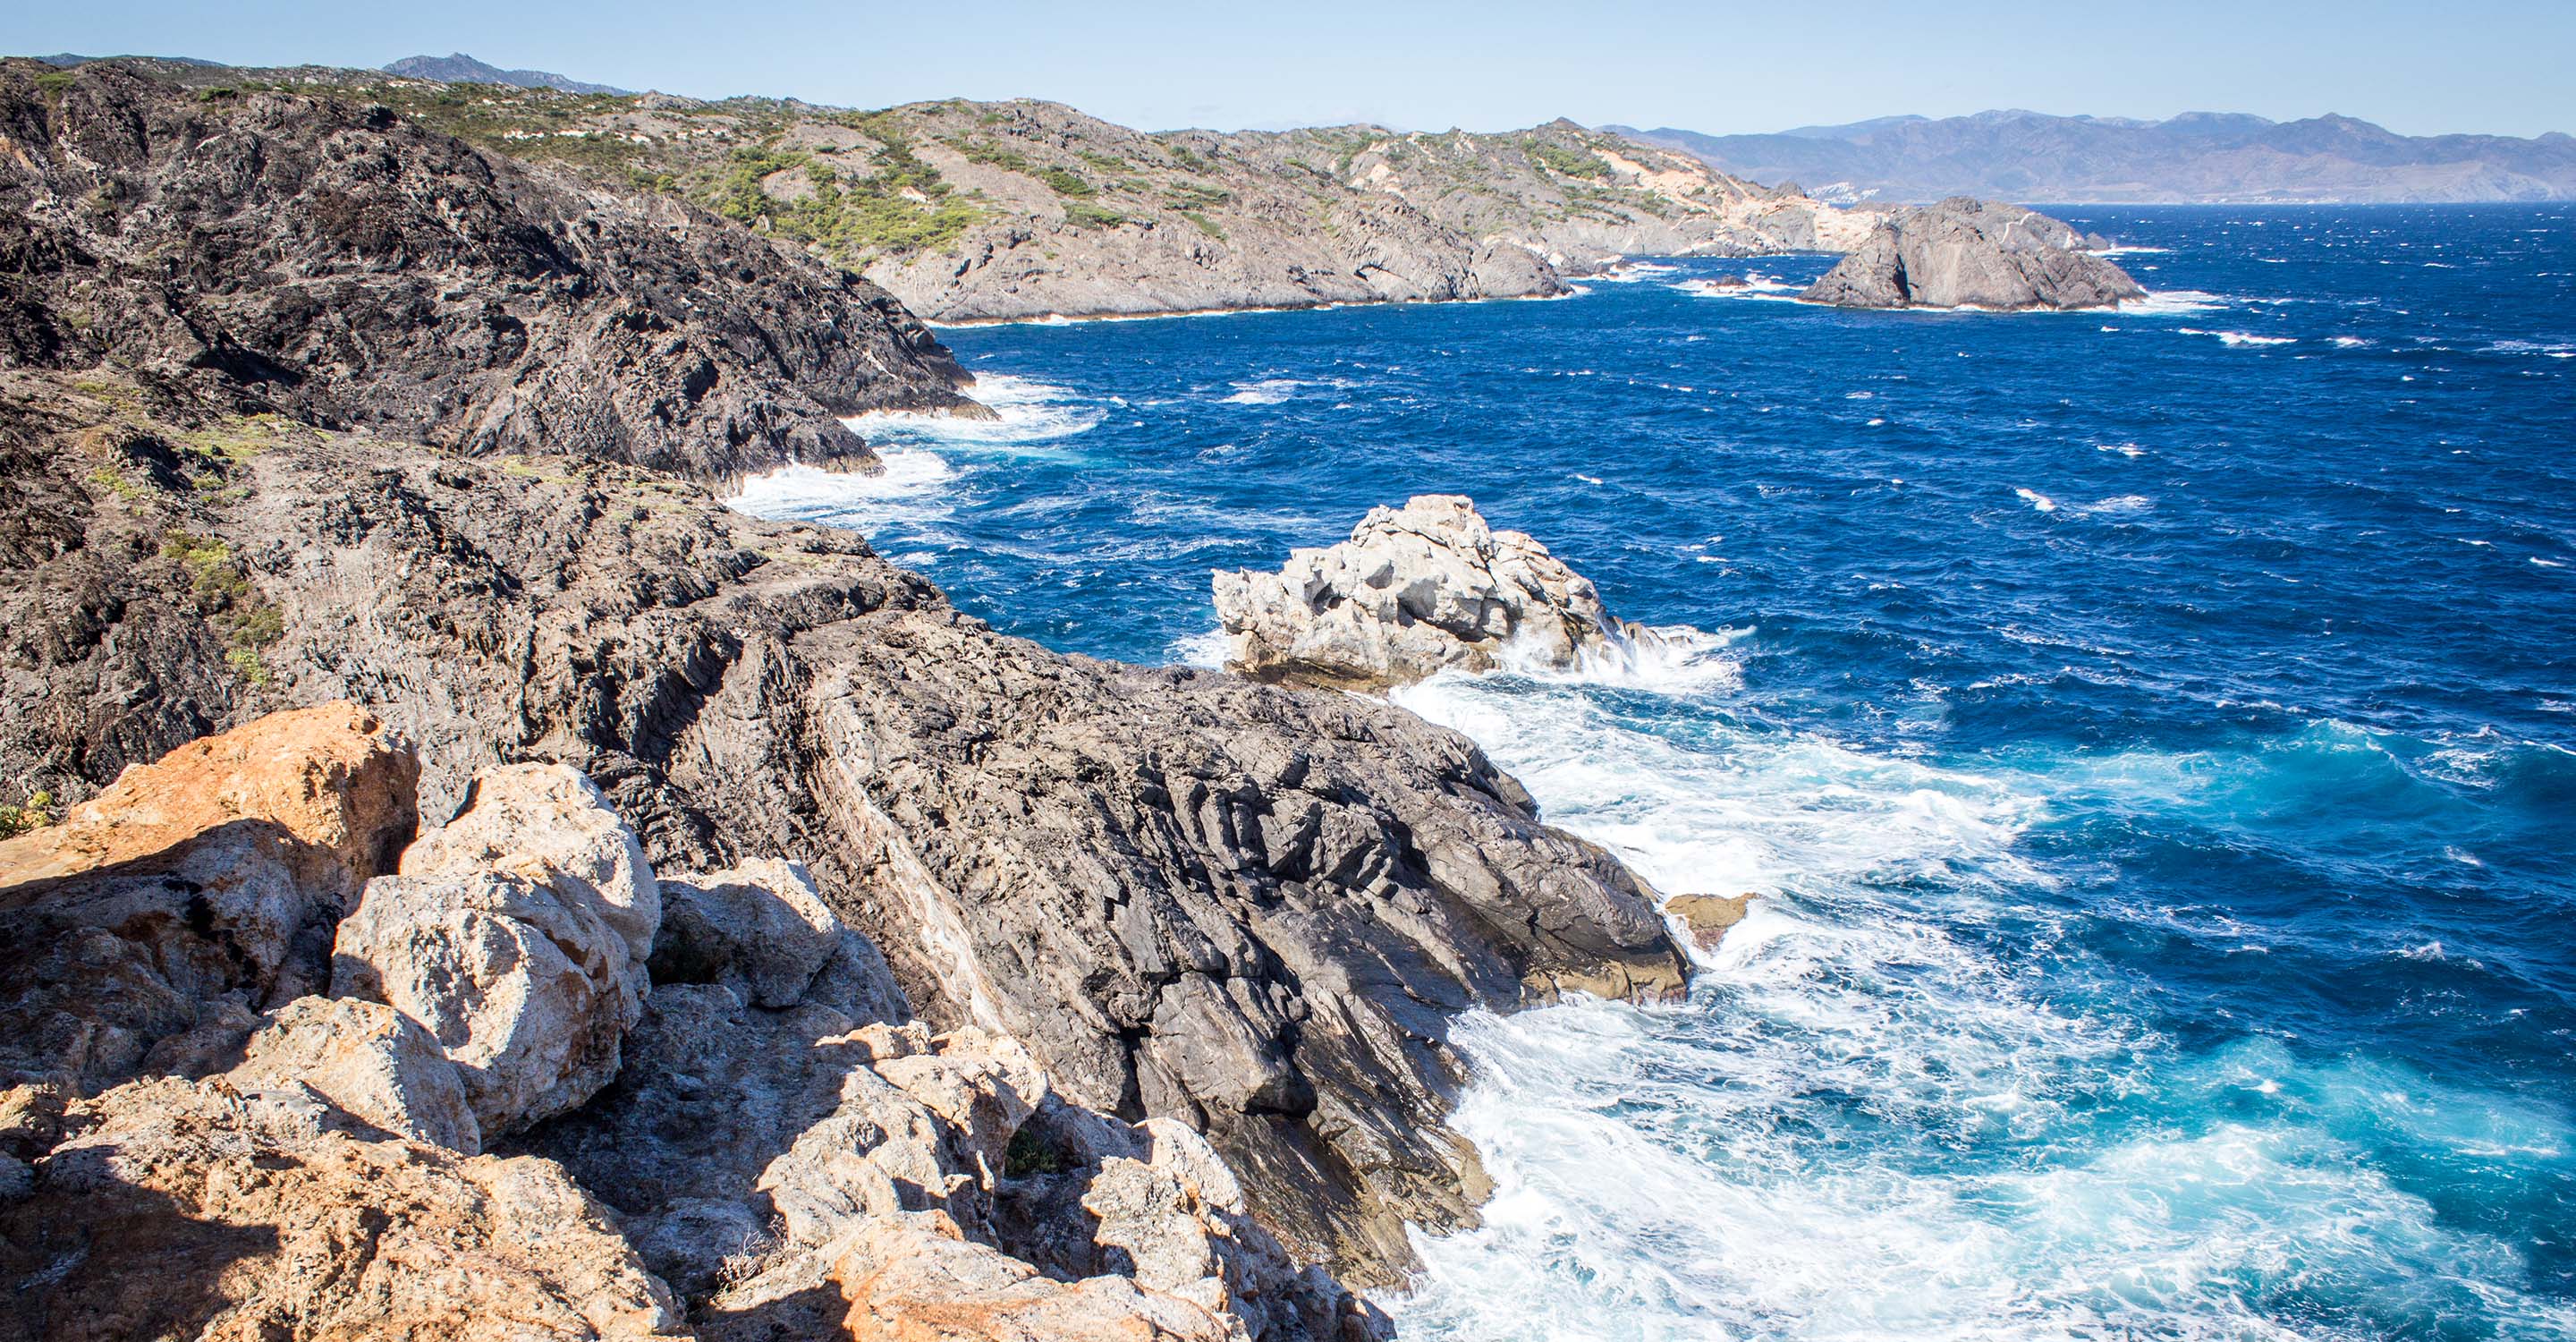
1965, 253
792, 1170
195, 892
337, 263
517, 936
1414, 591
1189, 896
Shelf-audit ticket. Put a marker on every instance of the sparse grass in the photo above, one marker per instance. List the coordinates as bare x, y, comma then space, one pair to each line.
1031, 1154
1204, 224
226, 596
114, 482
1564, 162
238, 438
1187, 196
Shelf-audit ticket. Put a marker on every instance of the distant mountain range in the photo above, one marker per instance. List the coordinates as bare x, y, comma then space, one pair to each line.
2195, 157
459, 68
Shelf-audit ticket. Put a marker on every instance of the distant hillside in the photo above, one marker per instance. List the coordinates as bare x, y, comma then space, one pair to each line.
460, 68
2195, 157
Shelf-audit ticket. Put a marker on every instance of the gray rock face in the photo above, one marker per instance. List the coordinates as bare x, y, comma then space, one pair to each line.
1975, 254
1415, 590
331, 261
516, 935
1245, 908
370, 1061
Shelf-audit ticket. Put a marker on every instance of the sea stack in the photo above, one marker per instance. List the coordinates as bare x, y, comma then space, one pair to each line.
1965, 253
1414, 591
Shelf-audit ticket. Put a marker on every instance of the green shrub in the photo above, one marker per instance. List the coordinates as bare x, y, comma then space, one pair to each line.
1564, 162
1081, 215
1066, 183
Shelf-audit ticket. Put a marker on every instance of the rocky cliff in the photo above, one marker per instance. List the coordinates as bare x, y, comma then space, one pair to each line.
1247, 909
331, 261
973, 211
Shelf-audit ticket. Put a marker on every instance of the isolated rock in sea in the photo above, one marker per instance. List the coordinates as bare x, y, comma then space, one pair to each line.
1708, 916
194, 1209
1974, 254
371, 1061
1414, 591
149, 929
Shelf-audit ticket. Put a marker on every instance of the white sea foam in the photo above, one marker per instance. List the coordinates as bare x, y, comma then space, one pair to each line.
2171, 303
1267, 391
1025, 411
2037, 500
1865, 1125
912, 488
2238, 338
1756, 285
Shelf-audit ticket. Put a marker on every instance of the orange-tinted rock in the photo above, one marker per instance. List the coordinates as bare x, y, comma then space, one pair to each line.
191, 1209
325, 775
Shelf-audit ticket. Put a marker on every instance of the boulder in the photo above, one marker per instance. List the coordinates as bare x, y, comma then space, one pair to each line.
371, 1061
523, 985
549, 824
759, 929
192, 1209
1965, 253
1414, 591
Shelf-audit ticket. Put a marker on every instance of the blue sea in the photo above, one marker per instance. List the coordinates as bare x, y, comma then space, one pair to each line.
2148, 735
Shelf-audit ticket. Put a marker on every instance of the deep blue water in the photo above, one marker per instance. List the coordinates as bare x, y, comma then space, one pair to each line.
2150, 734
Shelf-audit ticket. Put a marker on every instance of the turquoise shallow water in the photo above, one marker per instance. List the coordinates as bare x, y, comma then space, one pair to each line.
2149, 734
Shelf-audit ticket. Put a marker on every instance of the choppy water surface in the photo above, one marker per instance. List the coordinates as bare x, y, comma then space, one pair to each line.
2149, 733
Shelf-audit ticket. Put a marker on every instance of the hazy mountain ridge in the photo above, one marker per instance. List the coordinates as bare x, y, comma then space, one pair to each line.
459, 68
2197, 157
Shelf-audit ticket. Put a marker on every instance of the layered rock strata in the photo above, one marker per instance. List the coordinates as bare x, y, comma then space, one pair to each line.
792, 1168
1246, 909
1414, 591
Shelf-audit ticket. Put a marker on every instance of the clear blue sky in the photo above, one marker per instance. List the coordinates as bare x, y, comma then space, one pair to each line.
2414, 67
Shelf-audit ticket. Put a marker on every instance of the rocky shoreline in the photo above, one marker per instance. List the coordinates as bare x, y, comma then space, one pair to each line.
505, 893
1027, 210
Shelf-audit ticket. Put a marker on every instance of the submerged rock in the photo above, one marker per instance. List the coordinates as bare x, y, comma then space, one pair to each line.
1965, 253
1414, 591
